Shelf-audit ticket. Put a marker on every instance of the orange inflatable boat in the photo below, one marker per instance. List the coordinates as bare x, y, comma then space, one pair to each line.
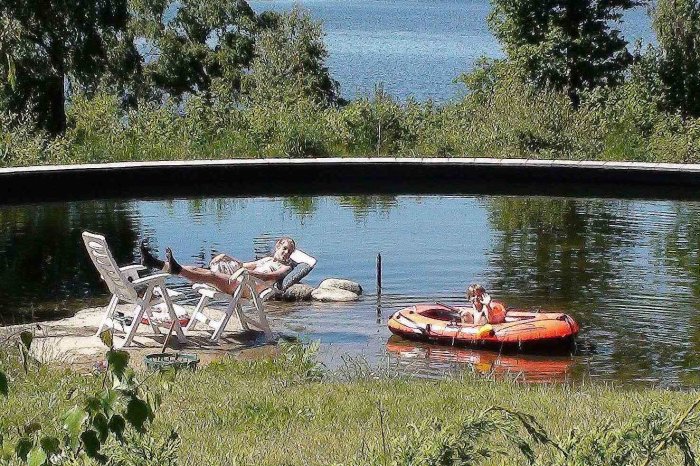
517, 329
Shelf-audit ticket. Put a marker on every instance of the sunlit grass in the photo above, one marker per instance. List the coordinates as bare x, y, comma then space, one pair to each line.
290, 411
268, 420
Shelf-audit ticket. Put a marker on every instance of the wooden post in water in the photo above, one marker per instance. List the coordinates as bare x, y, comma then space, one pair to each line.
379, 288
379, 274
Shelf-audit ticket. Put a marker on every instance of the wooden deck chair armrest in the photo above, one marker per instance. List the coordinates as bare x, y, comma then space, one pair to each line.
132, 271
238, 273
159, 278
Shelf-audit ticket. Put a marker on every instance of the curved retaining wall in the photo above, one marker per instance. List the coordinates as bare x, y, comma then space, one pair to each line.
247, 177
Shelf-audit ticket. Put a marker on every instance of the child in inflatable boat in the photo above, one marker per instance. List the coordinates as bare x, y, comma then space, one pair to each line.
482, 311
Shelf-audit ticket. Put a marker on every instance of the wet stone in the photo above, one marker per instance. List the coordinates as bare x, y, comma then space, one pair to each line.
334, 295
298, 292
341, 284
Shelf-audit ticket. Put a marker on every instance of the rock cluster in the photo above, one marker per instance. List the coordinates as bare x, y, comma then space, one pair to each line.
330, 290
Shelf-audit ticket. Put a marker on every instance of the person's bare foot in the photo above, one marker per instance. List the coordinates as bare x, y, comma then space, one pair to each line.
147, 259
171, 265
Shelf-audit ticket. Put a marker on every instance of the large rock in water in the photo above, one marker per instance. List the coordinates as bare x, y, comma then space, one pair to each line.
334, 294
341, 284
298, 292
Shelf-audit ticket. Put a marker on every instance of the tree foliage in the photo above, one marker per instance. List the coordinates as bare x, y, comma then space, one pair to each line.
677, 26
290, 59
565, 44
154, 52
49, 49
194, 45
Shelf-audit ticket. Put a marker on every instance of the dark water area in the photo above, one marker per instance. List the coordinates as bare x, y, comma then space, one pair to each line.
413, 47
627, 270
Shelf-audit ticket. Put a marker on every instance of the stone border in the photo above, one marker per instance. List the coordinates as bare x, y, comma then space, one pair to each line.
373, 175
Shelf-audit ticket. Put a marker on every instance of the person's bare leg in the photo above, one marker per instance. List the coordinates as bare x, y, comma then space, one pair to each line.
198, 274
260, 287
218, 280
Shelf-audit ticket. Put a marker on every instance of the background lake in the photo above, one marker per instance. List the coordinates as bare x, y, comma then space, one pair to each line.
627, 270
413, 47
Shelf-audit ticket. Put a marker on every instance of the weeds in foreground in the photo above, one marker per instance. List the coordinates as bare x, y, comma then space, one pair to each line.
643, 441
107, 427
294, 405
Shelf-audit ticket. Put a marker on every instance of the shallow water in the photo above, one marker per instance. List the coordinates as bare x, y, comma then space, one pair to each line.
626, 270
413, 48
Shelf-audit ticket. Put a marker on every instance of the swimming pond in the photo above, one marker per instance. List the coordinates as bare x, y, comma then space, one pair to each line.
626, 269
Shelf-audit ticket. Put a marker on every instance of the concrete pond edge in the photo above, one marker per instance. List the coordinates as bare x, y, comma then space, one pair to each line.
372, 175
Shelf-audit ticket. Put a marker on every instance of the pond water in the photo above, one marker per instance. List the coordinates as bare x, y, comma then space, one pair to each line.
627, 270
413, 47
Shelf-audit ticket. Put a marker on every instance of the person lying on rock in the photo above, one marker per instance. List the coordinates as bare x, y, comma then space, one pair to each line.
268, 271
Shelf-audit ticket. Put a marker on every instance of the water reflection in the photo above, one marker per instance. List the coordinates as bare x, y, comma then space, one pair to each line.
595, 260
430, 359
43, 266
679, 250
362, 206
561, 248
303, 206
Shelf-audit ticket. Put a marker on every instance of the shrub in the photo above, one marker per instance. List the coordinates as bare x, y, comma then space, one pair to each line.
107, 427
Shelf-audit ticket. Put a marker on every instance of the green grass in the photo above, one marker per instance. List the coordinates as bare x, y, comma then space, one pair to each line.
286, 411
512, 120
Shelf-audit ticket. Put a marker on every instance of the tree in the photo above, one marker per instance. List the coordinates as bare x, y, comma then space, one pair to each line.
566, 44
289, 60
677, 25
204, 44
49, 49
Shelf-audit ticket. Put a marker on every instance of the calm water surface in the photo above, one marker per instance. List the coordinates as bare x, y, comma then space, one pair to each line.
413, 47
627, 270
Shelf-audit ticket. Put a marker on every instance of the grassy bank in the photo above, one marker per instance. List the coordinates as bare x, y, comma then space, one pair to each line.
503, 118
288, 411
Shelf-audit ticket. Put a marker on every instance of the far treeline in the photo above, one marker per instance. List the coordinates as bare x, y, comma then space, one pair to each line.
113, 80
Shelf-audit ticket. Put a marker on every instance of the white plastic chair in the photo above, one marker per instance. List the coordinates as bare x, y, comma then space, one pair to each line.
123, 283
234, 304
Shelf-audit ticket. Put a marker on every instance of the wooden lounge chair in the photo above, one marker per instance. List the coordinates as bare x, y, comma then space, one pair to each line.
303, 263
143, 293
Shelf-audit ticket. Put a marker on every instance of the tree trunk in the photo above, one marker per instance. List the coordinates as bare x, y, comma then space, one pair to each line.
573, 20
56, 123
56, 92
574, 97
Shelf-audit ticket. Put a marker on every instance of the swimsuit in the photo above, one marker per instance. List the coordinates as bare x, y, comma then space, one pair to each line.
230, 266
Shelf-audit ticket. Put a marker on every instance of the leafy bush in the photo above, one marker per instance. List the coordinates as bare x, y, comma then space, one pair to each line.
500, 116
372, 126
289, 62
20, 142
290, 130
107, 427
